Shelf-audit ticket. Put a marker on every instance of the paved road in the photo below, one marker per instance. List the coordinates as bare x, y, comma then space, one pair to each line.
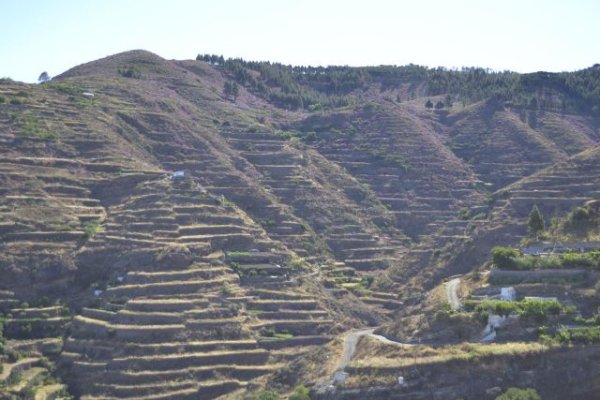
452, 293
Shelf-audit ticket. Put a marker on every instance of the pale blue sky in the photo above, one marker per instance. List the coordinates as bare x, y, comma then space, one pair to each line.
520, 35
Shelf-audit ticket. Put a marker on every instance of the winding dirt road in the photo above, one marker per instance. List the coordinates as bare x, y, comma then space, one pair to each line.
350, 342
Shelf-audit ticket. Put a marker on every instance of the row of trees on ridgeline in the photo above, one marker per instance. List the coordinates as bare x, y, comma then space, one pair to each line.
313, 88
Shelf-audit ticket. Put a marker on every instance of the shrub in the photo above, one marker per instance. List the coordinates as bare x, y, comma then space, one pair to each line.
464, 214
579, 335
226, 290
508, 258
2, 99
499, 307
549, 262
300, 393
265, 395
90, 228
532, 308
580, 220
130, 72
296, 263
519, 394
503, 257
539, 309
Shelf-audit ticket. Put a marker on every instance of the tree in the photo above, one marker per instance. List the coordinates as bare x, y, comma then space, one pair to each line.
429, 105
235, 91
519, 394
448, 101
44, 77
439, 105
231, 89
504, 257
536, 221
533, 104
227, 89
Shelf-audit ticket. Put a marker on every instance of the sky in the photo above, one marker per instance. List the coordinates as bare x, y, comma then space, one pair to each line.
517, 35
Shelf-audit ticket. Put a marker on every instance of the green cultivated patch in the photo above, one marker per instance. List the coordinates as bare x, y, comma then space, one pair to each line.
512, 259
519, 394
538, 310
579, 335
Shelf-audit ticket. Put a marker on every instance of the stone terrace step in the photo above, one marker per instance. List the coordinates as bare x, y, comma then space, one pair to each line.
150, 389
166, 304
295, 327
141, 349
185, 360
174, 275
166, 288
276, 305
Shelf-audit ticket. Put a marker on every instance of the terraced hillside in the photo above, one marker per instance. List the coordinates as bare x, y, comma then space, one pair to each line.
282, 228
174, 304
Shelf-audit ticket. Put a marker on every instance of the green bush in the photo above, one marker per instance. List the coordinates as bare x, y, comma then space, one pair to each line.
579, 335
531, 308
300, 393
548, 262
265, 395
580, 220
2, 99
130, 72
499, 307
504, 257
90, 228
539, 309
519, 394
511, 259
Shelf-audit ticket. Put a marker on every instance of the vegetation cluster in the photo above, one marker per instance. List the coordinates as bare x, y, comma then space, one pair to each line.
316, 88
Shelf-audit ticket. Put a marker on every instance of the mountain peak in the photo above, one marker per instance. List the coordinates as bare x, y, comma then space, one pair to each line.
110, 65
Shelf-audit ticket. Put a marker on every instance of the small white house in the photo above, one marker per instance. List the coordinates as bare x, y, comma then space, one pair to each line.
89, 95
97, 292
508, 293
177, 175
340, 377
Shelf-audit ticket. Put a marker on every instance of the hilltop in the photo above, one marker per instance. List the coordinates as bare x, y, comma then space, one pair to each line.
213, 227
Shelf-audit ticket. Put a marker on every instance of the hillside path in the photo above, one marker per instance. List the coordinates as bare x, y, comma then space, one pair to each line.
452, 293
350, 342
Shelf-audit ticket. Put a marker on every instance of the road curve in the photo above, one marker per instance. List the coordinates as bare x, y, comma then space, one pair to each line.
350, 342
